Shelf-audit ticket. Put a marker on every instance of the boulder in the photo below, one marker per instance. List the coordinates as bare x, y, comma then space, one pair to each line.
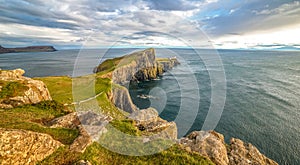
245, 153
207, 143
149, 121
16, 90
90, 124
25, 147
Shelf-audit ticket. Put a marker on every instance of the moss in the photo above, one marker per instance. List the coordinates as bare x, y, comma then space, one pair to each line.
62, 155
12, 89
126, 126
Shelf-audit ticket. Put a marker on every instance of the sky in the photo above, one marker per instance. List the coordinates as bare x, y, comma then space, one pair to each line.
224, 24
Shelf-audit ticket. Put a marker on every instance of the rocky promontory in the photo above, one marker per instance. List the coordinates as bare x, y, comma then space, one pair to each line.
27, 49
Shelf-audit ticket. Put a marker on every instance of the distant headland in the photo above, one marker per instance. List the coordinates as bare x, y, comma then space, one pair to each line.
27, 49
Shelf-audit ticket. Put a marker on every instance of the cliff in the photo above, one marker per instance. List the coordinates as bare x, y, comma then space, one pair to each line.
27, 49
16, 90
138, 66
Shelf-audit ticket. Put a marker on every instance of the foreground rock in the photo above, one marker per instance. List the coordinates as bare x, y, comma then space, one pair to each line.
149, 121
212, 145
16, 90
90, 124
25, 147
245, 153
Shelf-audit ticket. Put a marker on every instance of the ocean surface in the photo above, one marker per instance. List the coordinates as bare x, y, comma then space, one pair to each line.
262, 97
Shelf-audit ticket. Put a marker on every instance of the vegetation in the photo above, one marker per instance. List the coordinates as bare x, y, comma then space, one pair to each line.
34, 118
11, 89
97, 154
60, 88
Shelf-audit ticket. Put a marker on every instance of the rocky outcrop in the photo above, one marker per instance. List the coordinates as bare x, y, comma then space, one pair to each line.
212, 145
149, 121
25, 147
245, 153
27, 49
90, 124
121, 99
16, 90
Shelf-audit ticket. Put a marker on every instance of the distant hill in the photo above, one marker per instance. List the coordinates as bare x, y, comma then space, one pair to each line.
27, 49
288, 48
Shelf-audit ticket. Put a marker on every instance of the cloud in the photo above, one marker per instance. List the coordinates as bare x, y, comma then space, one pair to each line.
71, 22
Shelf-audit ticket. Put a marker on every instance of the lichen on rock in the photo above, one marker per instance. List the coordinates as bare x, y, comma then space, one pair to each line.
16, 90
25, 147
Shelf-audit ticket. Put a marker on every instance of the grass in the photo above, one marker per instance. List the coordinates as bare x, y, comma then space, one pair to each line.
11, 89
33, 118
97, 154
60, 88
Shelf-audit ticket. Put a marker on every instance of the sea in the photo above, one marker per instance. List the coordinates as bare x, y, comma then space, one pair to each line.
262, 91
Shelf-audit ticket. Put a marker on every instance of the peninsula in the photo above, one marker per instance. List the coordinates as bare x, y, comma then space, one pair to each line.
27, 49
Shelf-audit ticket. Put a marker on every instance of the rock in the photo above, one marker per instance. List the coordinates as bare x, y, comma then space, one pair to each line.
90, 124
70, 120
25, 147
245, 153
148, 120
130, 65
207, 143
121, 99
83, 162
16, 90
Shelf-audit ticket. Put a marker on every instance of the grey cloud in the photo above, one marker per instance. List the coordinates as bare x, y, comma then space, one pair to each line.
177, 5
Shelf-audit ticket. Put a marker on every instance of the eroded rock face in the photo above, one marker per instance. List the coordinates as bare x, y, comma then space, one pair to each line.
246, 153
121, 99
148, 120
207, 143
131, 64
212, 145
25, 147
18, 90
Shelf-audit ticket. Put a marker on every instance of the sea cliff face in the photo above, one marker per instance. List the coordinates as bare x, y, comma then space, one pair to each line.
138, 66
